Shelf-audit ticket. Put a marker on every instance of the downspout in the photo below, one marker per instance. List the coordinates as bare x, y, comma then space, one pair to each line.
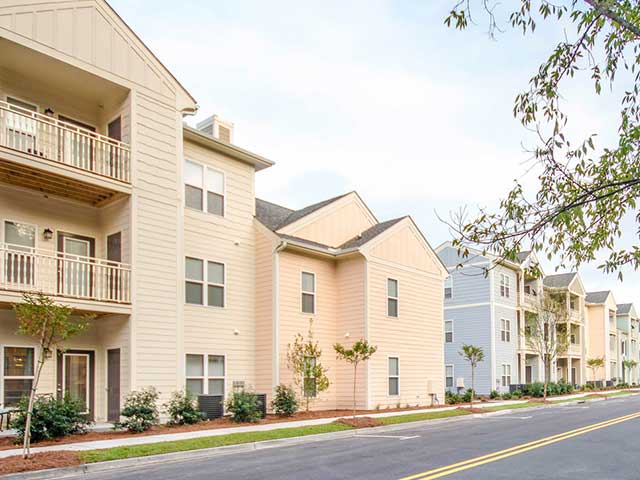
276, 312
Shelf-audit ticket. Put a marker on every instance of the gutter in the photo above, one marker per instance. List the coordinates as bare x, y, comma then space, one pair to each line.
275, 314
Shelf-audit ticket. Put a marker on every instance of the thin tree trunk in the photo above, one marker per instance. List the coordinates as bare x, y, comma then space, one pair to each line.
473, 384
26, 445
355, 371
547, 367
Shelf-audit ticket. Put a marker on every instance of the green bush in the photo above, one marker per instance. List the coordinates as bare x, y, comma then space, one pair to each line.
51, 418
517, 394
622, 385
468, 395
244, 407
140, 410
494, 394
506, 396
452, 398
284, 402
536, 389
183, 410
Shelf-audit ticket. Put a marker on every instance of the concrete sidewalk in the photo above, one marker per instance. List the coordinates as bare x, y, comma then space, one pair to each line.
168, 437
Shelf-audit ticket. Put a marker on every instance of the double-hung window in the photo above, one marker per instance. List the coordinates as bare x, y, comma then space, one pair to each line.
448, 287
197, 278
17, 373
204, 188
309, 377
205, 374
308, 291
448, 375
394, 376
506, 375
392, 297
505, 330
505, 285
448, 331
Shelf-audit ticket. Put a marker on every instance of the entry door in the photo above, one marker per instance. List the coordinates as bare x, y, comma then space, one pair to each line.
78, 145
76, 265
573, 375
76, 377
113, 385
114, 131
527, 374
114, 256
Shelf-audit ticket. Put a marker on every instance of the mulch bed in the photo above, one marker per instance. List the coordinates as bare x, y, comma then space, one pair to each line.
7, 443
39, 461
472, 409
360, 422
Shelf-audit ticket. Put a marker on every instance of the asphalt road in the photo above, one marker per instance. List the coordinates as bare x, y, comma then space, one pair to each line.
605, 451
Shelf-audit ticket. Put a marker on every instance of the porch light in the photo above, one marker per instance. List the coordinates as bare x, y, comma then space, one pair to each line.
47, 234
49, 112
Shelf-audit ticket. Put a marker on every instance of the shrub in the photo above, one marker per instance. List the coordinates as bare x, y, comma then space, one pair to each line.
622, 385
517, 394
494, 394
506, 396
468, 395
284, 402
140, 410
51, 418
244, 407
536, 389
183, 410
452, 398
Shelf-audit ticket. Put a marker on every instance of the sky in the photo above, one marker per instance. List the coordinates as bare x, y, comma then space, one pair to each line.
375, 96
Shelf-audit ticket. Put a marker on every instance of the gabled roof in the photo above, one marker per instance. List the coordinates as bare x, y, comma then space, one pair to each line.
522, 256
370, 234
559, 280
598, 297
275, 216
624, 308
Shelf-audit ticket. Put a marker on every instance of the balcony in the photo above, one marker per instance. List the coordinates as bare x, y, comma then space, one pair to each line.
64, 275
34, 140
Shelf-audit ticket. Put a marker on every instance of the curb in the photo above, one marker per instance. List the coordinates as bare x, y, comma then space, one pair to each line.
127, 463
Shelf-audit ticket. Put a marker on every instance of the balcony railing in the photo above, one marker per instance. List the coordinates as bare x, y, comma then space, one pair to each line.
25, 269
52, 139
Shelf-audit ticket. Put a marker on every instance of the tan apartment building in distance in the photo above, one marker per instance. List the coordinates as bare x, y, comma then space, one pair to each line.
110, 204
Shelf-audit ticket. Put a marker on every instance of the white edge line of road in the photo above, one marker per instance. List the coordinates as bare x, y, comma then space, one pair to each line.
129, 463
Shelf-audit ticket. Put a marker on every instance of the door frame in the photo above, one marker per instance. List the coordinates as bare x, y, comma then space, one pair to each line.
119, 350
91, 354
60, 249
528, 368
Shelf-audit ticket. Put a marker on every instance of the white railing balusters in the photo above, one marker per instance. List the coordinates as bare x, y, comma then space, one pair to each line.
52, 139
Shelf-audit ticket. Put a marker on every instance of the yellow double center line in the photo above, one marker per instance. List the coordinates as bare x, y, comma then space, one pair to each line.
518, 449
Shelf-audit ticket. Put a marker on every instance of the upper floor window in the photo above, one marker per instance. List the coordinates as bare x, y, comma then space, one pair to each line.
196, 279
448, 331
505, 285
308, 287
392, 297
448, 287
573, 303
203, 188
505, 330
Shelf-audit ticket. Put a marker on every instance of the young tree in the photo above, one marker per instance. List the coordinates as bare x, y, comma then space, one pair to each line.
359, 352
303, 359
595, 364
473, 355
50, 325
629, 365
583, 190
546, 332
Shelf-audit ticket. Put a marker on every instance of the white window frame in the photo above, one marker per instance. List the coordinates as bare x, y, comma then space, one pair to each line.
26, 102
506, 375
66, 355
448, 284
396, 298
505, 285
304, 292
205, 370
389, 376
205, 283
34, 248
505, 330
450, 322
204, 207
453, 376
21, 377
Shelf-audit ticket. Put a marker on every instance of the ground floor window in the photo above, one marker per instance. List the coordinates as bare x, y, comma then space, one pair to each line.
17, 372
309, 380
448, 376
506, 375
394, 376
205, 374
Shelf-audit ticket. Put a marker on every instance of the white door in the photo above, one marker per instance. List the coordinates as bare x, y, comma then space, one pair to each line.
77, 267
19, 263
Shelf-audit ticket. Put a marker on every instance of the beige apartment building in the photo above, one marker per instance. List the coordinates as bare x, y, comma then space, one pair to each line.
110, 204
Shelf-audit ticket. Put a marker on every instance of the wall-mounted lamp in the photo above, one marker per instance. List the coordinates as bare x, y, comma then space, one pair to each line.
47, 234
347, 335
236, 332
49, 112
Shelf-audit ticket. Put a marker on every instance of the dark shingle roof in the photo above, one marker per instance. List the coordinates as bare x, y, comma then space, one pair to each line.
275, 216
304, 240
270, 214
624, 308
597, 297
370, 234
560, 280
522, 256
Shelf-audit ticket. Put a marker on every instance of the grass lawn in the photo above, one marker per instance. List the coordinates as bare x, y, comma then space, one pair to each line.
516, 405
417, 417
118, 453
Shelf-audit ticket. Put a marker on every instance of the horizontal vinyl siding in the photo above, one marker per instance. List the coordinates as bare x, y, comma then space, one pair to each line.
264, 311
506, 352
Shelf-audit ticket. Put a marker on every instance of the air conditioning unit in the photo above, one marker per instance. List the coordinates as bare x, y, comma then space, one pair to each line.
217, 128
460, 382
